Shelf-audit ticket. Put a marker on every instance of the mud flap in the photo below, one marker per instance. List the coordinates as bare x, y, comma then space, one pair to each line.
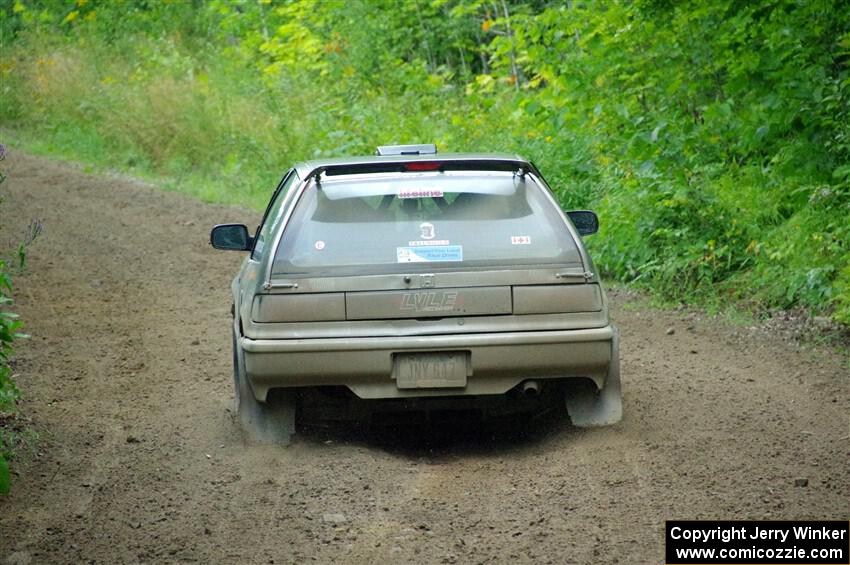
589, 407
272, 422
264, 423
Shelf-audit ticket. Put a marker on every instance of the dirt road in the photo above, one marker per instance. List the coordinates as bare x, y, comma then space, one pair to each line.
128, 378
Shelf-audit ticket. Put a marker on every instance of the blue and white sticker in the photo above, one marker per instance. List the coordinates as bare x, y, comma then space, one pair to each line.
429, 254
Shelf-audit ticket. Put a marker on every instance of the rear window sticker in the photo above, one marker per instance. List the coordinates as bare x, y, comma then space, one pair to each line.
429, 254
319, 245
426, 230
520, 240
420, 193
420, 243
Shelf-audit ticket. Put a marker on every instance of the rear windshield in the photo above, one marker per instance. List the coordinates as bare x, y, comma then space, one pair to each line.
391, 222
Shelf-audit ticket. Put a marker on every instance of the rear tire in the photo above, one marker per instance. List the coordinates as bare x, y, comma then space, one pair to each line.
262, 422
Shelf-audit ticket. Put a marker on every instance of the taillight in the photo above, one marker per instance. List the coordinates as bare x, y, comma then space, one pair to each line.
324, 307
557, 298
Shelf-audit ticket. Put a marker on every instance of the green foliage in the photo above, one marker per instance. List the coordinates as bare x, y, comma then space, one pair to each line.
712, 137
8, 391
5, 477
10, 326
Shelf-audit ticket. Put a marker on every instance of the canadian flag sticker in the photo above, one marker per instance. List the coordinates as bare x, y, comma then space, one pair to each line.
520, 240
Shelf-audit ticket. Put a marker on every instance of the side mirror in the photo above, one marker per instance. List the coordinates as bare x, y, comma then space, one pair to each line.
585, 221
231, 236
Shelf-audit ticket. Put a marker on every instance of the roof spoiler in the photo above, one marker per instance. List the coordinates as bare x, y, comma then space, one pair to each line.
471, 164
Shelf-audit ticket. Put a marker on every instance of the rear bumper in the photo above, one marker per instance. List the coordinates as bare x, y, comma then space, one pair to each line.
499, 361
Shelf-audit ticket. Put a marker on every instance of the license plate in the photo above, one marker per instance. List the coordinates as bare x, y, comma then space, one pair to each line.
431, 370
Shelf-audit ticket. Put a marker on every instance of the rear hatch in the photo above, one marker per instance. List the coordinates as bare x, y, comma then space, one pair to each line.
425, 245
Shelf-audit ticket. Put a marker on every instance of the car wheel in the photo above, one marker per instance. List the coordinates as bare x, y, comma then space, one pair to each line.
262, 422
590, 407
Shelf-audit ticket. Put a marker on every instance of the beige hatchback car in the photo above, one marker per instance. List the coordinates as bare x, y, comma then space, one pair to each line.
419, 281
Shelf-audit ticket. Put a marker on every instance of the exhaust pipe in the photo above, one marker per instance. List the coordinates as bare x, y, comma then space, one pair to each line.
530, 388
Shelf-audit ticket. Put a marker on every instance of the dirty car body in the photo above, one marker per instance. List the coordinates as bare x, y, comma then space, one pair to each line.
418, 276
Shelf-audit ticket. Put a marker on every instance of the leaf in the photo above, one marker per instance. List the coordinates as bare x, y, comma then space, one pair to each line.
841, 172
654, 135
646, 168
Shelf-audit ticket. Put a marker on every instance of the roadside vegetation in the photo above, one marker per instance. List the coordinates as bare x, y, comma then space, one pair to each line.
713, 138
13, 432
8, 333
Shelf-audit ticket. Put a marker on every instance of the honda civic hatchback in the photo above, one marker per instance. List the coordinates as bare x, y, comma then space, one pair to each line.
420, 278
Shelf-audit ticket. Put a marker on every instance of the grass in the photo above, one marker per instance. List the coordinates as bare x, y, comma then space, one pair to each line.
201, 186
216, 131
